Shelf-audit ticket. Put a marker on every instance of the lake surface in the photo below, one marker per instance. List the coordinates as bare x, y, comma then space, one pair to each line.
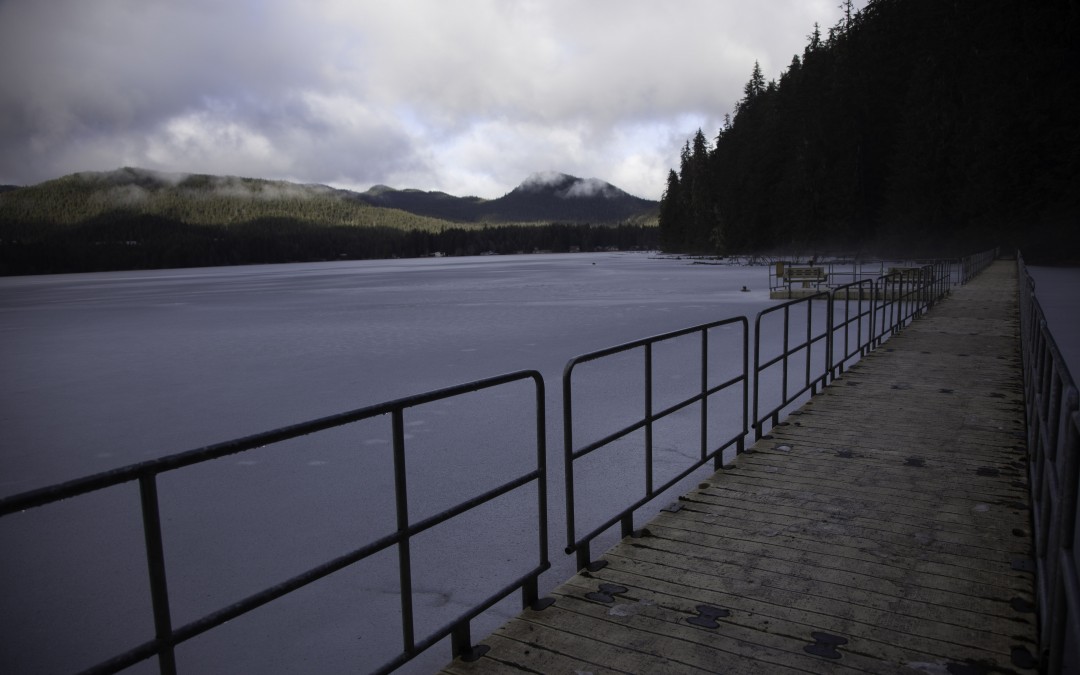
104, 370
101, 370
1058, 290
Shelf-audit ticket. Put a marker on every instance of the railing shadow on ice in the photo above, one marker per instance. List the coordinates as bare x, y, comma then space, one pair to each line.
814, 347
1053, 441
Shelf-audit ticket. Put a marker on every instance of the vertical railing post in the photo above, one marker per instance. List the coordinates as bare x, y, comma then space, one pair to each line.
648, 420
784, 361
155, 560
541, 473
809, 345
568, 455
745, 386
757, 376
704, 393
401, 495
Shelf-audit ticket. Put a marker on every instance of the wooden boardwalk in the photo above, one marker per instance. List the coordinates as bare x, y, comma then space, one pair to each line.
882, 528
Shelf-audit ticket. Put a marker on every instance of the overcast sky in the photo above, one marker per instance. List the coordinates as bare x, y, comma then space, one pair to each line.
464, 96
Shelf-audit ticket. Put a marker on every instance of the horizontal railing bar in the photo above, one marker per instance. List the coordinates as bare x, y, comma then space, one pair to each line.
820, 295
791, 352
610, 438
642, 423
114, 477
129, 658
592, 356
256, 600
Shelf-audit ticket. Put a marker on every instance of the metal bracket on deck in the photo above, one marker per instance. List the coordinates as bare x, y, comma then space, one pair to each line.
607, 593
707, 616
825, 645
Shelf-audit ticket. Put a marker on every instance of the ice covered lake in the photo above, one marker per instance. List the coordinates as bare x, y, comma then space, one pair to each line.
104, 370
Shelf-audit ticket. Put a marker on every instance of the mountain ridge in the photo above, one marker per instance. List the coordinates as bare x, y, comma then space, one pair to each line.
546, 195
136, 219
541, 197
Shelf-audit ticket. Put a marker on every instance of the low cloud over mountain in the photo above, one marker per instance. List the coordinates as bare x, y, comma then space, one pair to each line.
544, 196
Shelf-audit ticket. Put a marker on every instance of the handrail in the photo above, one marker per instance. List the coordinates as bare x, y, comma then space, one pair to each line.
812, 378
580, 544
862, 319
895, 300
1053, 441
145, 473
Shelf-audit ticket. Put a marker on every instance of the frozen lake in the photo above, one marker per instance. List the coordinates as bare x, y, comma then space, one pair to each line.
1058, 290
103, 370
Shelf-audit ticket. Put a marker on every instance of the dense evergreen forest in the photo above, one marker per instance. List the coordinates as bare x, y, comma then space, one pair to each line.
915, 126
137, 219
119, 241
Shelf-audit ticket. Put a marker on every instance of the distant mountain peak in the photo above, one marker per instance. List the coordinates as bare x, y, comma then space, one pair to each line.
569, 187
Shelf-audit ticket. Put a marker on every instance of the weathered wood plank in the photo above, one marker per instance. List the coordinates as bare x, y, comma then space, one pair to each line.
888, 511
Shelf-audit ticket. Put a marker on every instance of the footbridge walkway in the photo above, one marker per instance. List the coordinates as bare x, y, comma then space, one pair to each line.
883, 527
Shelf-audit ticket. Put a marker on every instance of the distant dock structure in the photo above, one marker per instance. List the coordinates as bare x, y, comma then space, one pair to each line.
790, 280
884, 527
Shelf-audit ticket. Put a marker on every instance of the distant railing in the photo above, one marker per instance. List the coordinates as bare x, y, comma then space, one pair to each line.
1053, 441
853, 333
167, 637
973, 264
811, 378
882, 307
580, 544
836, 273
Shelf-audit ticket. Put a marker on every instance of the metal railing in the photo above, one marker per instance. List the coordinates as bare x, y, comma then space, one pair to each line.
811, 378
859, 321
884, 306
901, 300
1053, 441
580, 544
973, 264
842, 272
168, 637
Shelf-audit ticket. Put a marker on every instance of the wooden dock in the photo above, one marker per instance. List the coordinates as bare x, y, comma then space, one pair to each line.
882, 528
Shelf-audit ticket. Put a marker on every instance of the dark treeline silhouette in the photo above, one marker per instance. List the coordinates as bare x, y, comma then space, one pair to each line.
915, 126
116, 241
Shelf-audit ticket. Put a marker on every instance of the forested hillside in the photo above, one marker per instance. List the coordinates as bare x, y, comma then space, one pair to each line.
915, 126
133, 218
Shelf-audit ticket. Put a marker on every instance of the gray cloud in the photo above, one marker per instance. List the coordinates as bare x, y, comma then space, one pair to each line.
468, 97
